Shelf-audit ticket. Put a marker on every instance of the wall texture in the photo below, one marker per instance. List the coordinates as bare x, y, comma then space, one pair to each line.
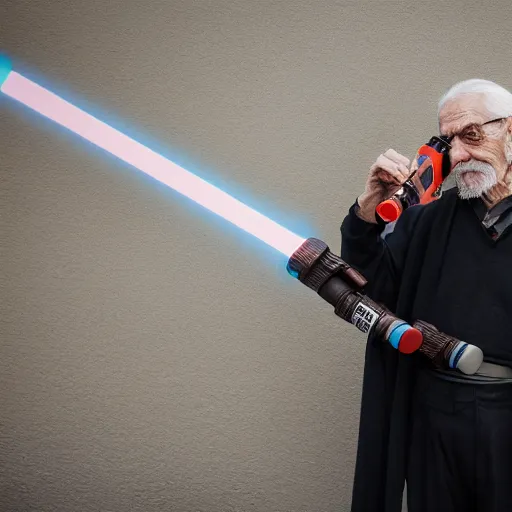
152, 357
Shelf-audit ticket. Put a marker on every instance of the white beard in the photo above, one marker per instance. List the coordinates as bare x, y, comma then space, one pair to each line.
484, 178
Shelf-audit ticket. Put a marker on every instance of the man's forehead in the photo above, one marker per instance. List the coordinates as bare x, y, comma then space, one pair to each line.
462, 111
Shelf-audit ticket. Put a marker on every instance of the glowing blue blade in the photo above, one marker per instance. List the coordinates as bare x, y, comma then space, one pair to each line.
99, 133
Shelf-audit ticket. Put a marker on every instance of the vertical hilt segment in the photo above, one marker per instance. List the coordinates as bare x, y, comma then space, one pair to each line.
341, 285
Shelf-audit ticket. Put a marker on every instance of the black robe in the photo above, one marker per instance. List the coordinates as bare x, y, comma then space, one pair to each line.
403, 272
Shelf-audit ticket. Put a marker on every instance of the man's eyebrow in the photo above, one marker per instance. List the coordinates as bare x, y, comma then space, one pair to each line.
464, 127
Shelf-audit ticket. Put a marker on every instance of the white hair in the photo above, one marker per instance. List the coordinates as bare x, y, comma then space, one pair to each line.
498, 100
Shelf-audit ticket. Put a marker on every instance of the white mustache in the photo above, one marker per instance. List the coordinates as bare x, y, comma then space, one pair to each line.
474, 166
488, 178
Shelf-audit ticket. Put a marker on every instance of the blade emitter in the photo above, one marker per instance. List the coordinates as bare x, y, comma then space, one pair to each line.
310, 260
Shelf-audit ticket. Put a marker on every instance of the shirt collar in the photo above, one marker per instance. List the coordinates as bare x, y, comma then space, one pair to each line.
498, 218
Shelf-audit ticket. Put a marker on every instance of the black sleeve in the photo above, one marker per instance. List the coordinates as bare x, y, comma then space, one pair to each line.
379, 259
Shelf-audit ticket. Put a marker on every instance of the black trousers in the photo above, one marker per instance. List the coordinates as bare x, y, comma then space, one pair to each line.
460, 447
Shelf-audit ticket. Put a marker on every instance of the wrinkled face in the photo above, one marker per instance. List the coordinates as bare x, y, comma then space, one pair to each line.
480, 155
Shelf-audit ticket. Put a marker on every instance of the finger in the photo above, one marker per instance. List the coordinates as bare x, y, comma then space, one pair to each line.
404, 170
398, 165
384, 165
386, 178
397, 157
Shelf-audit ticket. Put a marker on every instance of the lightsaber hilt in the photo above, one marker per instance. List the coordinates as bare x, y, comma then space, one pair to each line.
447, 352
342, 286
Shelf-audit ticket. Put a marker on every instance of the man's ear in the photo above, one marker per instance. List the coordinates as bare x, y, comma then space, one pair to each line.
509, 129
508, 144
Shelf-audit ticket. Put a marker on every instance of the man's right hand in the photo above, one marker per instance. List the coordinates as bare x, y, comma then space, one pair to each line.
386, 176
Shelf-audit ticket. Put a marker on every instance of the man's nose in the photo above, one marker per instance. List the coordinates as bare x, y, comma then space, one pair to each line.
458, 153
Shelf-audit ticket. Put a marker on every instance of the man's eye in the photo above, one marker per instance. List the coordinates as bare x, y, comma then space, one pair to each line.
472, 135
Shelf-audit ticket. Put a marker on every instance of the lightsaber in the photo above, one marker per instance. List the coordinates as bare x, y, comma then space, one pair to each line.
310, 260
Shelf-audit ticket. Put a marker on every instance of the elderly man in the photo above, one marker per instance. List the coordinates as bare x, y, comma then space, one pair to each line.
447, 263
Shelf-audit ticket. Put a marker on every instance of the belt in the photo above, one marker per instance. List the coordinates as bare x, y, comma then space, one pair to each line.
487, 373
494, 370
